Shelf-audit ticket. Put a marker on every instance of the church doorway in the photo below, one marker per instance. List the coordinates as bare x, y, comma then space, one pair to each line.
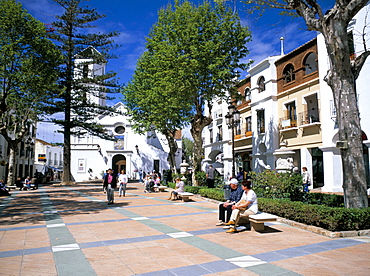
119, 163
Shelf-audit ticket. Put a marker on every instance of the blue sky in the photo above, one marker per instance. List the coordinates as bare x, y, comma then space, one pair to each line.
134, 19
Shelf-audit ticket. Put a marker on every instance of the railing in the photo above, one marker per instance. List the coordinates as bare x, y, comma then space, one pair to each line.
288, 122
309, 117
244, 133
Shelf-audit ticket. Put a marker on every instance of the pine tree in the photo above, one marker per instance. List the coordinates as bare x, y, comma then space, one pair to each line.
83, 92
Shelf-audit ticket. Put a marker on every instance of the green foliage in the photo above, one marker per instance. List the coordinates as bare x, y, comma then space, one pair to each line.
330, 218
28, 71
192, 56
330, 200
212, 193
277, 185
200, 177
82, 87
187, 150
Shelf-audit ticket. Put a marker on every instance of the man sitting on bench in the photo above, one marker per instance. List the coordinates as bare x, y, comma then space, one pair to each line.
246, 206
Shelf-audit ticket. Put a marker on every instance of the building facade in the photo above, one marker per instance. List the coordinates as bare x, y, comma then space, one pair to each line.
286, 102
91, 156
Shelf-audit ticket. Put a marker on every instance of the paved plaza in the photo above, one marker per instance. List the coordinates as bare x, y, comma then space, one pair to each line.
60, 230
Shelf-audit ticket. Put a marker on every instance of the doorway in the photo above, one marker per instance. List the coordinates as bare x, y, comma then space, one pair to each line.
119, 163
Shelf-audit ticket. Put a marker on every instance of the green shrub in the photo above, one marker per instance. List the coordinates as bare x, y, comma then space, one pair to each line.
330, 218
200, 177
277, 185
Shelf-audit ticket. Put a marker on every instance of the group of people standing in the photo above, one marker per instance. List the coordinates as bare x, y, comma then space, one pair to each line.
110, 180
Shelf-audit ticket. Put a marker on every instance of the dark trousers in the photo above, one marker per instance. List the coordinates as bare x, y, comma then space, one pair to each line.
210, 183
222, 210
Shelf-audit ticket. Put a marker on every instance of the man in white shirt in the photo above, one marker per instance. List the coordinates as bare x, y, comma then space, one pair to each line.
246, 206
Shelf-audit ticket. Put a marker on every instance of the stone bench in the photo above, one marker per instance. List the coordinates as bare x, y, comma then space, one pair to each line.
185, 196
258, 220
162, 188
12, 187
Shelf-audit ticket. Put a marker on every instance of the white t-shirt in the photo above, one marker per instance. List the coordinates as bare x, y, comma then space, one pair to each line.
122, 179
252, 197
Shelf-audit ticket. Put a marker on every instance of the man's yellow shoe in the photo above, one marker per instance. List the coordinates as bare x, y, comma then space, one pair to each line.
231, 222
231, 230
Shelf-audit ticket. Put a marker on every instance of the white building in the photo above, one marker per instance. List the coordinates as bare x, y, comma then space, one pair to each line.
265, 139
216, 140
91, 156
48, 159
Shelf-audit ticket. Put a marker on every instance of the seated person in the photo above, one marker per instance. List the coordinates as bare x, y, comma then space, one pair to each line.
180, 185
245, 207
3, 190
19, 183
27, 183
235, 195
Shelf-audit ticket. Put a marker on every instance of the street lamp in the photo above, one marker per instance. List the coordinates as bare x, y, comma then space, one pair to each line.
232, 120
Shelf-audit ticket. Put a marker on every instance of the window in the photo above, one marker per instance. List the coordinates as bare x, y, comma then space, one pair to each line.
247, 94
291, 111
248, 126
219, 134
210, 135
261, 121
310, 63
261, 84
288, 73
85, 71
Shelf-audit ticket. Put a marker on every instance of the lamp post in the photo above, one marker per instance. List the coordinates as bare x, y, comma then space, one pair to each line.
232, 120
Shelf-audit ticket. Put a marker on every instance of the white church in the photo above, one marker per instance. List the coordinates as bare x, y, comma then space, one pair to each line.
91, 156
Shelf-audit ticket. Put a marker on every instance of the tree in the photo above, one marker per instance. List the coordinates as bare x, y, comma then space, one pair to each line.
187, 149
153, 103
341, 78
28, 71
196, 51
83, 91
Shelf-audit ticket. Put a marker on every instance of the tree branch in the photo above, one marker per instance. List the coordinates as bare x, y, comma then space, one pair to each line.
359, 63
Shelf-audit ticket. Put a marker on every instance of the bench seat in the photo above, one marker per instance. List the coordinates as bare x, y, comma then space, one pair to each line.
258, 220
12, 187
185, 196
162, 188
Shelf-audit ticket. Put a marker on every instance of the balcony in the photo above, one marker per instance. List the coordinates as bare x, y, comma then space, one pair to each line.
288, 122
309, 117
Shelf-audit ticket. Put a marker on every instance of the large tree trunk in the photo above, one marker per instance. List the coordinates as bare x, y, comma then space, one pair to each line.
173, 149
11, 168
197, 124
342, 82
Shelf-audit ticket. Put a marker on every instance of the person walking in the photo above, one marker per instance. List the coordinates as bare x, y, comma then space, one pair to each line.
306, 179
210, 174
122, 180
110, 183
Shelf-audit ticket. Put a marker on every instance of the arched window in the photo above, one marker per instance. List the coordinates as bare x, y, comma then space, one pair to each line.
288, 73
310, 63
261, 84
239, 102
247, 94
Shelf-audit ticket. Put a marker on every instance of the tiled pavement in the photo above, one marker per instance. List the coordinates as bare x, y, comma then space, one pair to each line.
59, 230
